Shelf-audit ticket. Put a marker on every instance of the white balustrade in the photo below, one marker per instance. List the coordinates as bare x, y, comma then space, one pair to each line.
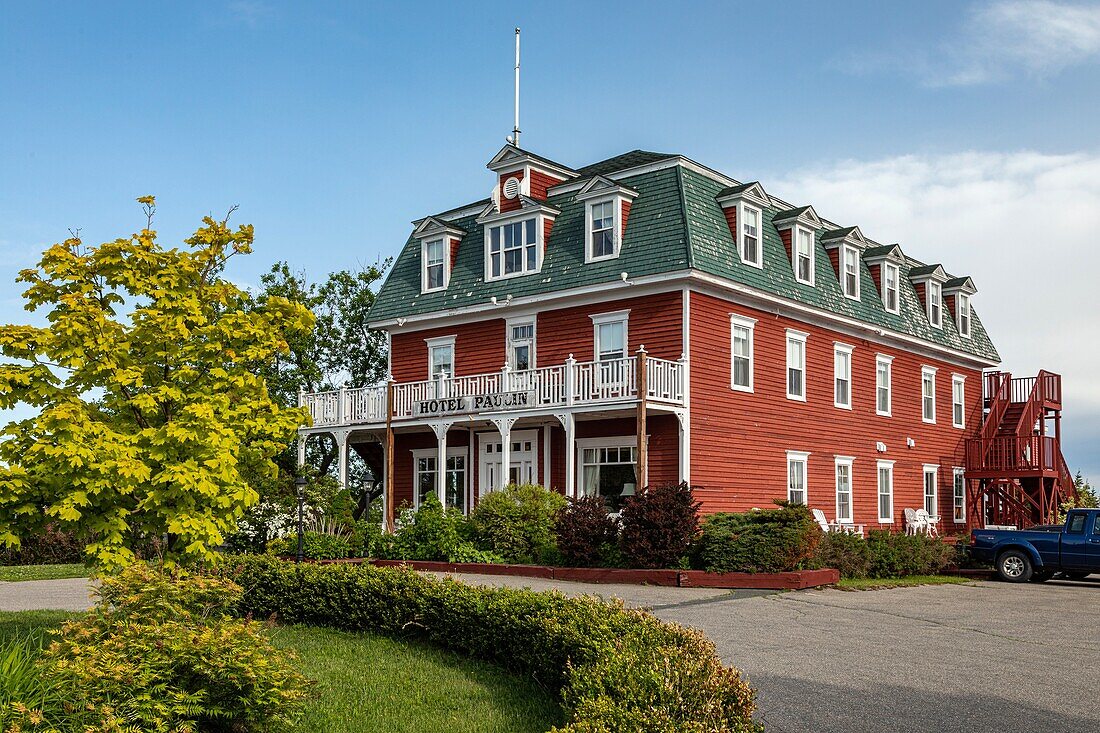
664, 380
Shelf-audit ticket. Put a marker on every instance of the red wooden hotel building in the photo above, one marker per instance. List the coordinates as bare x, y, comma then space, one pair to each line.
647, 320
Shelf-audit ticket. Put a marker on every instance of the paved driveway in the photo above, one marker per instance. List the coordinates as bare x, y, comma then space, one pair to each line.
979, 658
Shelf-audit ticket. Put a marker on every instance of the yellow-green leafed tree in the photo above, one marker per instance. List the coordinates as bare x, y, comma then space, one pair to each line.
145, 383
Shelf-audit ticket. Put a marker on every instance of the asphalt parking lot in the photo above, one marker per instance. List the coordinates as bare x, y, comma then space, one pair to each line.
977, 658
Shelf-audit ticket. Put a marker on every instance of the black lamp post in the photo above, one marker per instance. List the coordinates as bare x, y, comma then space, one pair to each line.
299, 488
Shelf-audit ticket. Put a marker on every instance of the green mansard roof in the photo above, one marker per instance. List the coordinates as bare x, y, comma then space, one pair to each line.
675, 224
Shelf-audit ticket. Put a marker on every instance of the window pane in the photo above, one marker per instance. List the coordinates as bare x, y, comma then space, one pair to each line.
611, 344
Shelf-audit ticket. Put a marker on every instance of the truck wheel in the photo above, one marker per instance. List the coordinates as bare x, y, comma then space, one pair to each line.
1014, 566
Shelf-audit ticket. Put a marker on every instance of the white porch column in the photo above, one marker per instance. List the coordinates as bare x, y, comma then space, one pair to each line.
504, 426
341, 437
302, 450
441, 430
385, 486
684, 446
569, 424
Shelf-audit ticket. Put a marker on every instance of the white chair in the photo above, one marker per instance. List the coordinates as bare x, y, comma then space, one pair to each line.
827, 526
821, 520
930, 524
913, 522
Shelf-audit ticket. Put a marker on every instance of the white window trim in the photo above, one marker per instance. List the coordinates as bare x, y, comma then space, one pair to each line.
931, 469
889, 362
509, 323
848, 461
897, 288
846, 251
931, 286
802, 337
741, 208
840, 348
618, 441
452, 452
961, 300
750, 325
960, 380
879, 465
445, 241
957, 471
803, 457
926, 371
441, 341
616, 227
521, 215
600, 319
794, 254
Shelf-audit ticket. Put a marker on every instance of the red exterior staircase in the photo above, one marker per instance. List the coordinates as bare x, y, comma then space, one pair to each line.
1015, 471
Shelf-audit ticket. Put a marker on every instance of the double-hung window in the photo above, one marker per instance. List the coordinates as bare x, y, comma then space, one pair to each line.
796, 476
513, 248
521, 345
454, 484
601, 218
844, 489
435, 270
849, 271
610, 337
959, 495
962, 301
883, 384
931, 500
842, 376
804, 255
890, 293
928, 394
958, 401
935, 304
741, 366
796, 365
608, 469
751, 249
885, 492
441, 356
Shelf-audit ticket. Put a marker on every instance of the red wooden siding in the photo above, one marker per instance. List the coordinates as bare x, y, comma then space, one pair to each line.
876, 275
731, 219
785, 235
654, 321
739, 440
664, 453
540, 182
834, 257
454, 253
547, 227
921, 289
507, 204
479, 348
626, 215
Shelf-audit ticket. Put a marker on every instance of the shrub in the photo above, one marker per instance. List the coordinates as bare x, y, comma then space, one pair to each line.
585, 533
898, 555
658, 526
315, 546
846, 552
767, 541
517, 523
430, 533
53, 546
617, 669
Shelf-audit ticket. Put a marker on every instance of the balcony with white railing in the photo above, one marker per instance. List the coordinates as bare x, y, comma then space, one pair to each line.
572, 384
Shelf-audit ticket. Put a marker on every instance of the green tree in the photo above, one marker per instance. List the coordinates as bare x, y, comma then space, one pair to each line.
1084, 496
146, 380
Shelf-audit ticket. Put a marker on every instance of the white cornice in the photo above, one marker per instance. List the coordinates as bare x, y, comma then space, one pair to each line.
530, 207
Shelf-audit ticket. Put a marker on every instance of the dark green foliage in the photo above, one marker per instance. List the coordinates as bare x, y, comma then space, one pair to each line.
586, 534
845, 552
618, 669
516, 523
430, 533
895, 555
659, 525
315, 546
768, 541
51, 546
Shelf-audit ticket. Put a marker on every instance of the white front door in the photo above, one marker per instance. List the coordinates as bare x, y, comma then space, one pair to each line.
524, 460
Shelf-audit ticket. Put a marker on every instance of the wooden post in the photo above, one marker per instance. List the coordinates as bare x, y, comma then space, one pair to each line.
388, 458
643, 448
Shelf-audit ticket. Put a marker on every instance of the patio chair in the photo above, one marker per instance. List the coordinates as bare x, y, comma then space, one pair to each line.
913, 523
827, 526
930, 523
821, 520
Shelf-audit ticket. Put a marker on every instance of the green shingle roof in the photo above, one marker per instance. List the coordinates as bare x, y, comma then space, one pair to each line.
633, 159
675, 223
923, 270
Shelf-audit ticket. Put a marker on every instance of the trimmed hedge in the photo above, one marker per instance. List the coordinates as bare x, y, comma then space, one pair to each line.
618, 670
315, 546
767, 541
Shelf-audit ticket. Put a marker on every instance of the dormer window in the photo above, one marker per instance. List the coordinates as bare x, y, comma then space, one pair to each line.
935, 304
513, 249
850, 271
804, 256
601, 230
963, 306
750, 236
890, 289
435, 269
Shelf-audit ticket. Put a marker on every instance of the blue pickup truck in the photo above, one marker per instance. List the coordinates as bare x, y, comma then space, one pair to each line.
1038, 553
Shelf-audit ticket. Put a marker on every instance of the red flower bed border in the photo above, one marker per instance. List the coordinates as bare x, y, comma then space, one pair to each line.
795, 580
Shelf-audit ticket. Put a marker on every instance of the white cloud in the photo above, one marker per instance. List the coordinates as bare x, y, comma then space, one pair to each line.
1024, 225
999, 41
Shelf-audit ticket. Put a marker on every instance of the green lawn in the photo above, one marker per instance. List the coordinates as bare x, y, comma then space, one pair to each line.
41, 572
369, 683
907, 582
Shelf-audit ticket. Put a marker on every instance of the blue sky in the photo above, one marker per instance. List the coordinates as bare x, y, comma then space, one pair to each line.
966, 132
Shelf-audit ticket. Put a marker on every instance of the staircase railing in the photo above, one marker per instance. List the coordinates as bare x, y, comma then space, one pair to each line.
998, 388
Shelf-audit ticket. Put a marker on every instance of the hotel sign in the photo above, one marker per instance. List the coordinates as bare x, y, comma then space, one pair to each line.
500, 402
